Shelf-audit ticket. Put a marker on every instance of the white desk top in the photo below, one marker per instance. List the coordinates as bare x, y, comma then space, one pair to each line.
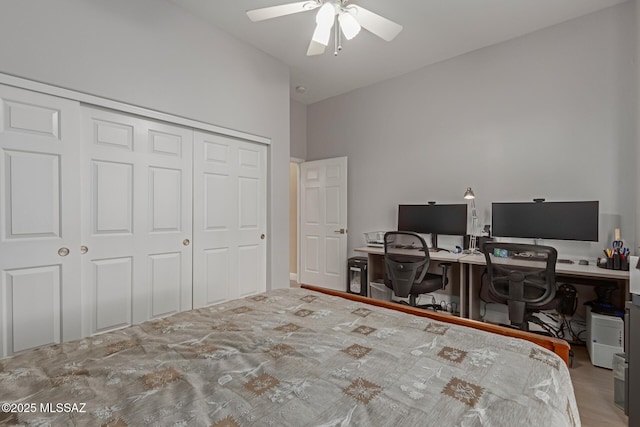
575, 269
436, 256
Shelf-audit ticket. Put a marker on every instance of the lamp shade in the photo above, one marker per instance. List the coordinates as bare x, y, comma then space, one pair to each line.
469, 194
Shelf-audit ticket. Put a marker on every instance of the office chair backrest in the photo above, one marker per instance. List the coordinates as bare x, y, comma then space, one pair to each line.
404, 263
520, 272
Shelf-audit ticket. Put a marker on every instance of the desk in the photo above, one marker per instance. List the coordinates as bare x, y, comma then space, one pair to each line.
579, 273
467, 284
375, 258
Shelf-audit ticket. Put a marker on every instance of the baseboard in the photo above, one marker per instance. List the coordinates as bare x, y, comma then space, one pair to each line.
293, 276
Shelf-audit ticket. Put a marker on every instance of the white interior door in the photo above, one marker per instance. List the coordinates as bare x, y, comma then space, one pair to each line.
229, 218
137, 196
323, 223
40, 216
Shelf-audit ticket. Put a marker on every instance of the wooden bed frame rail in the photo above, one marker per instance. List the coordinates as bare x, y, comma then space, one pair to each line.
556, 345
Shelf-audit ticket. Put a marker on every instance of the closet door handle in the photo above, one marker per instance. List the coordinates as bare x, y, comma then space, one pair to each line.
63, 251
262, 236
186, 242
84, 249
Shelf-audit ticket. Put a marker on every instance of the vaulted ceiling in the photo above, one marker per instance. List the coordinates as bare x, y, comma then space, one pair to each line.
434, 30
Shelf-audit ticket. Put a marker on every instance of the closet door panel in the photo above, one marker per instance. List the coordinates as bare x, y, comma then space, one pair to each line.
165, 205
112, 286
32, 195
140, 208
166, 279
216, 276
112, 202
33, 297
169, 223
39, 220
229, 218
252, 190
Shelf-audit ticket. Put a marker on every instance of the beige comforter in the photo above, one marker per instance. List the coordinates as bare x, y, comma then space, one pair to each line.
289, 357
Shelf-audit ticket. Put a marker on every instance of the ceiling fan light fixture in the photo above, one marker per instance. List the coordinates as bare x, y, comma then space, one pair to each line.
349, 25
348, 19
324, 22
326, 15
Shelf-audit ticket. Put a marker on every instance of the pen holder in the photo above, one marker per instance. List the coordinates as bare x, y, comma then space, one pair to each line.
624, 264
616, 261
609, 263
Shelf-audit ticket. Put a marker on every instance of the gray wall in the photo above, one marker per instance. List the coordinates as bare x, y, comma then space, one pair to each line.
550, 114
153, 54
298, 130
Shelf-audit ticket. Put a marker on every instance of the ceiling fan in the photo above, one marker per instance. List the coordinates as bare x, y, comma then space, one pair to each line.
347, 19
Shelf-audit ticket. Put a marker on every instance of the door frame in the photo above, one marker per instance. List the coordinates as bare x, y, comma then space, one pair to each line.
298, 162
98, 101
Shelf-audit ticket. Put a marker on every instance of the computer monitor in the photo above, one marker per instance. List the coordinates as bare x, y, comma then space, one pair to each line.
546, 220
433, 219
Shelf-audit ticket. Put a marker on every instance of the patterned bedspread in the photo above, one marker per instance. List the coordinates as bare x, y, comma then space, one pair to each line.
290, 357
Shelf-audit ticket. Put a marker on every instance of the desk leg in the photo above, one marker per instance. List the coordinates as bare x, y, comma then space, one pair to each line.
474, 294
464, 303
375, 268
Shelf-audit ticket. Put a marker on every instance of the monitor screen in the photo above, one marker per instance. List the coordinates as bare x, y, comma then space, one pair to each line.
437, 219
546, 220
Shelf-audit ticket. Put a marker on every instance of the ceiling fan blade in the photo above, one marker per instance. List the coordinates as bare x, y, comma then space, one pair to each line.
284, 9
320, 39
378, 25
315, 48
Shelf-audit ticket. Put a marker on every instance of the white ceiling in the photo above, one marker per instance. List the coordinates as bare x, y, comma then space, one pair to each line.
434, 30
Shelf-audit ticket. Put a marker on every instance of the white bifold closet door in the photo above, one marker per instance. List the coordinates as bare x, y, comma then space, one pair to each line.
137, 219
229, 218
109, 219
39, 220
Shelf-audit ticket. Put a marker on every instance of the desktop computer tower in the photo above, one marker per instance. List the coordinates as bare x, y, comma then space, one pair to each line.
605, 338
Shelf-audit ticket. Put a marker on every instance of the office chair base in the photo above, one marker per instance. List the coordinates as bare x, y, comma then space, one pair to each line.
435, 307
525, 327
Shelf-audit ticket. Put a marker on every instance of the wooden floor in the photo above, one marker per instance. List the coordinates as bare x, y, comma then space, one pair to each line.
593, 388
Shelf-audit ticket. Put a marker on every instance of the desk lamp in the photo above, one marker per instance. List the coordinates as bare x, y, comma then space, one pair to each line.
469, 195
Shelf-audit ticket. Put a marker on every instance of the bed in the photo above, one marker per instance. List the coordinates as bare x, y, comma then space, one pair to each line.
292, 357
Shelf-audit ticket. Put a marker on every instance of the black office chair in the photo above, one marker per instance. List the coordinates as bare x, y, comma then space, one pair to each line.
522, 277
406, 259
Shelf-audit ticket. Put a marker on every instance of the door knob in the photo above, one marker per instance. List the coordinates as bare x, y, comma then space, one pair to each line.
84, 249
262, 236
63, 251
186, 242
341, 231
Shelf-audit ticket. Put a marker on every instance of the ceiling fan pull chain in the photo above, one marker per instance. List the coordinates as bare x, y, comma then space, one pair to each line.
335, 38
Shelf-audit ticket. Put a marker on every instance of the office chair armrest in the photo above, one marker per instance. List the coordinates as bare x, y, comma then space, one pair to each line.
445, 268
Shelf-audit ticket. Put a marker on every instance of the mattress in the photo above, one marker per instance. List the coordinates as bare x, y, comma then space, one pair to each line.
290, 357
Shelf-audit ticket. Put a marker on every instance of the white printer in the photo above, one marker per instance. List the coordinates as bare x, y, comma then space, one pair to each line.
605, 337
